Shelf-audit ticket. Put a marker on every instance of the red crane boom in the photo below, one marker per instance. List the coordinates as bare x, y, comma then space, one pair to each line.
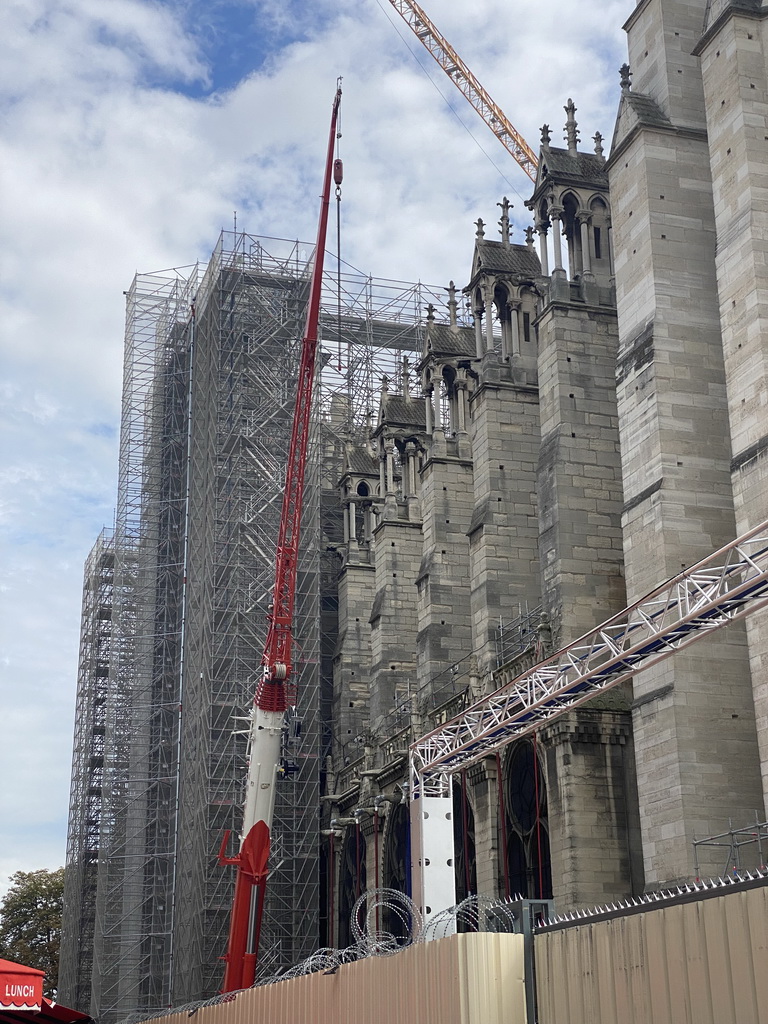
270, 701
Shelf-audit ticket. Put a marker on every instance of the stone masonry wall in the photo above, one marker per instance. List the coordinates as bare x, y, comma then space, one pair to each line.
443, 584
593, 824
661, 35
735, 77
352, 661
503, 535
393, 618
593, 806
694, 722
579, 469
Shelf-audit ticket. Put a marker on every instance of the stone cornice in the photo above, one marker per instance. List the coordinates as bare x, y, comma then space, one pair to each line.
608, 726
644, 495
634, 15
393, 771
446, 460
350, 564
580, 307
750, 454
504, 385
683, 133
722, 19
401, 523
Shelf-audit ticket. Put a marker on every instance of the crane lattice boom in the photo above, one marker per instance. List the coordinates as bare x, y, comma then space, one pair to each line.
727, 585
463, 79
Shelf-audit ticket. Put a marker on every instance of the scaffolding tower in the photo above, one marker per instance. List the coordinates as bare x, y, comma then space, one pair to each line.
87, 771
211, 359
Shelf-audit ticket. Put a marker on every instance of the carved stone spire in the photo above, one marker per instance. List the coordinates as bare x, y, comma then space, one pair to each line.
529, 238
571, 128
546, 136
626, 77
480, 233
452, 304
504, 220
598, 140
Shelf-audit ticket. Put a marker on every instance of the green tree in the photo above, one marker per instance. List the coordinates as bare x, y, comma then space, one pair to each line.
30, 922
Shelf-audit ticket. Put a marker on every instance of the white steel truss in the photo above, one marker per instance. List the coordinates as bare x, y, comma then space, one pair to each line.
727, 585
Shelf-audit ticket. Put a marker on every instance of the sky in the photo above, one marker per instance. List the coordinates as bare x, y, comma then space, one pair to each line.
131, 131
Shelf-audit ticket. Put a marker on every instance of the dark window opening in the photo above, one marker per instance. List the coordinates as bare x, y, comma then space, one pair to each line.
529, 867
352, 882
465, 867
396, 872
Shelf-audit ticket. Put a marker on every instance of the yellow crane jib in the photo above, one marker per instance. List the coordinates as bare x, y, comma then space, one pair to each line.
415, 17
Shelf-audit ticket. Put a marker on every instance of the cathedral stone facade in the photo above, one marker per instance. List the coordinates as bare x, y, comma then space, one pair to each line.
586, 417
601, 424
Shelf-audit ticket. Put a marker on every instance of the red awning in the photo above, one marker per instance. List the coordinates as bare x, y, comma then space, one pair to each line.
21, 988
50, 1013
18, 1005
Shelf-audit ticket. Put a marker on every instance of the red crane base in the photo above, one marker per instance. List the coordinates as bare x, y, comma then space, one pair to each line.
251, 863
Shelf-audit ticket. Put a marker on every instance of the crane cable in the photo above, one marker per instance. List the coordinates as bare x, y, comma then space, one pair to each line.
447, 102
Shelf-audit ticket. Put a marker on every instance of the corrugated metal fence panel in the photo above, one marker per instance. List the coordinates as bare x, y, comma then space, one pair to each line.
463, 979
493, 969
703, 962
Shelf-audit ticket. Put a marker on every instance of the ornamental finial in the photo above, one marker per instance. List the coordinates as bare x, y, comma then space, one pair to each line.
571, 128
504, 220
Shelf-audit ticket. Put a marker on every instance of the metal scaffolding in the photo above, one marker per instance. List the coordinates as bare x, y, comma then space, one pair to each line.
139, 811
211, 356
87, 771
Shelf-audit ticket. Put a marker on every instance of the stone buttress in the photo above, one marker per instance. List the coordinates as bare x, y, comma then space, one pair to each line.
588, 753
734, 68
694, 721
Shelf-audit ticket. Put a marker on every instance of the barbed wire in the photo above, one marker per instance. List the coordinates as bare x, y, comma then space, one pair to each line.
475, 913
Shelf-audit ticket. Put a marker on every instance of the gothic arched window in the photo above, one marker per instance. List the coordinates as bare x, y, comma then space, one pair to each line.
528, 338
572, 232
600, 237
352, 880
395, 873
529, 868
465, 868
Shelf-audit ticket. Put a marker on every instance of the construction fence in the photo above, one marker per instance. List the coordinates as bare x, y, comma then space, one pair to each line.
695, 956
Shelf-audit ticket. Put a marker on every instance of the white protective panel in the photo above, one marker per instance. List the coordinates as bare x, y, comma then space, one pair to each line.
432, 855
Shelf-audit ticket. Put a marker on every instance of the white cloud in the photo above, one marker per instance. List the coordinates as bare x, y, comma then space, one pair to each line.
109, 167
